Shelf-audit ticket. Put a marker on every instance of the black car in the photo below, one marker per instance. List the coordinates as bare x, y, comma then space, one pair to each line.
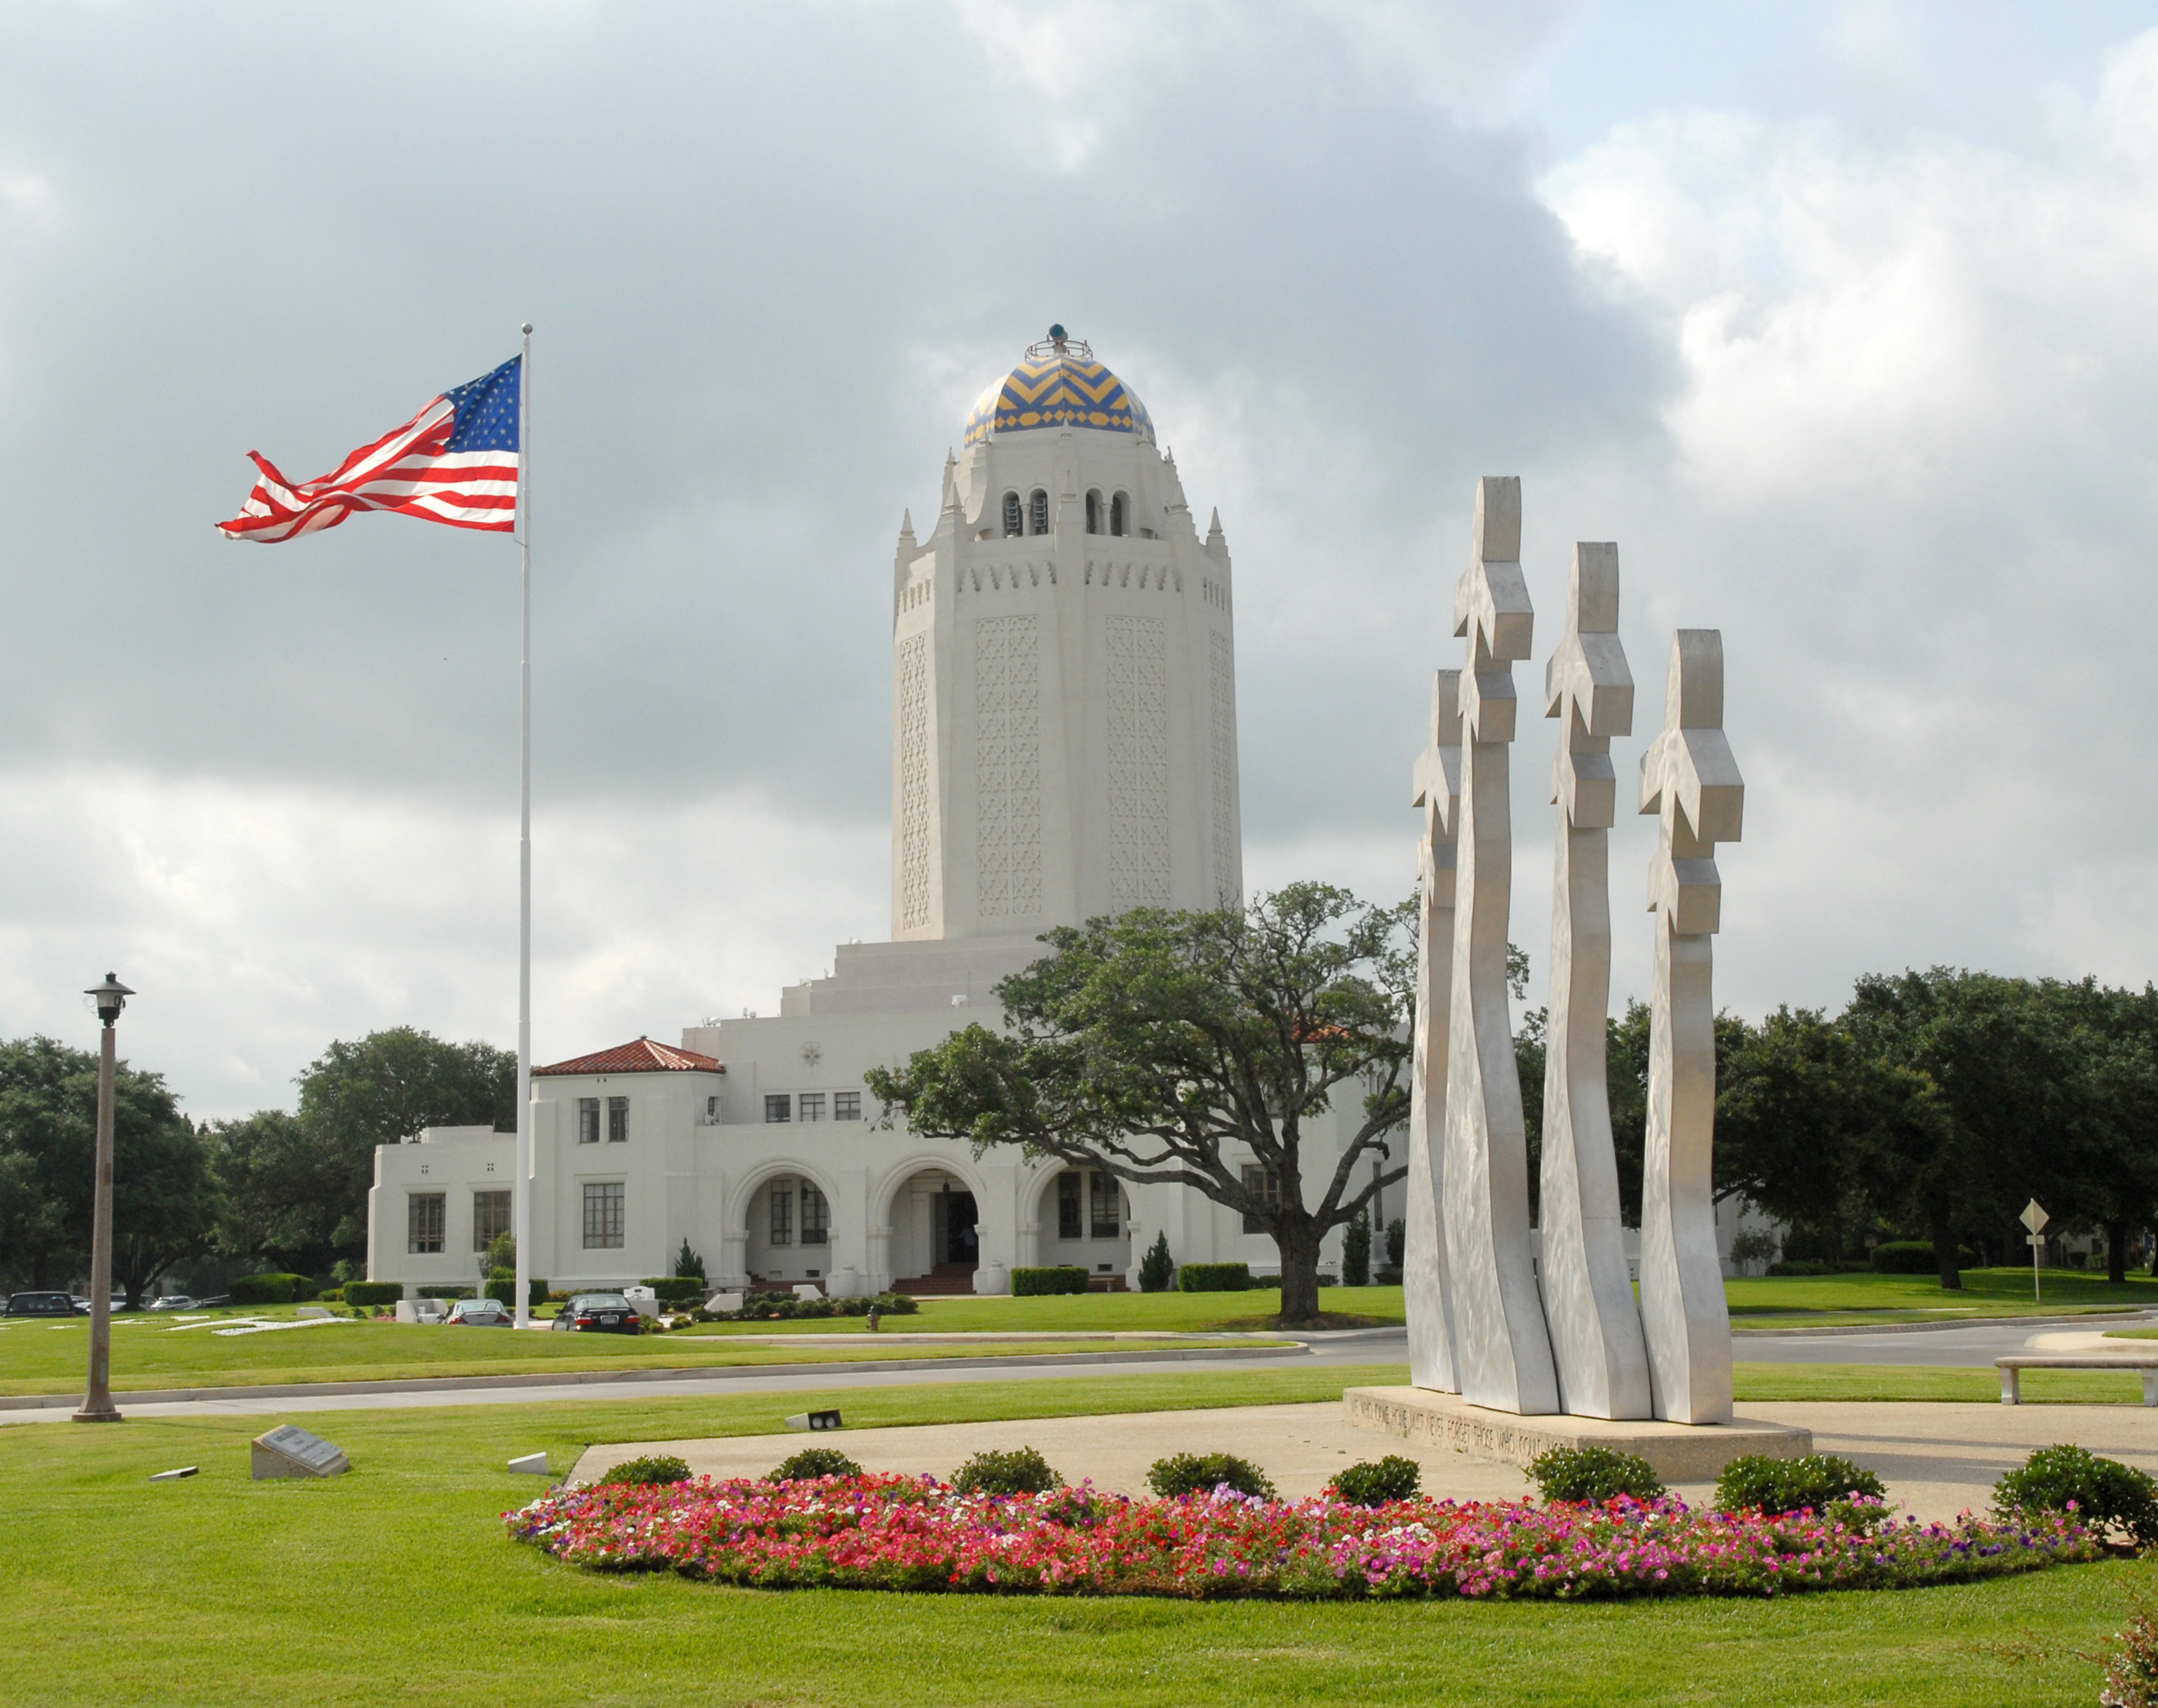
606, 1313
41, 1305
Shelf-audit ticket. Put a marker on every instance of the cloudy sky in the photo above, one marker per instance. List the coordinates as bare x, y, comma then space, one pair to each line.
1839, 318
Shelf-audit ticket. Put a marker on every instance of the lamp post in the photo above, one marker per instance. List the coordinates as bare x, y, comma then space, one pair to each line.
109, 998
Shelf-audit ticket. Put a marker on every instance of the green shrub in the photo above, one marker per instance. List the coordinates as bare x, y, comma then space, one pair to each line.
439, 1292
1202, 1473
271, 1289
503, 1290
813, 1462
1801, 1266
1590, 1476
2106, 1493
653, 1469
1062, 1278
1915, 1257
763, 1308
1398, 1239
677, 1289
1370, 1483
1817, 1480
1157, 1269
1214, 1278
330, 1295
1021, 1471
688, 1263
1356, 1253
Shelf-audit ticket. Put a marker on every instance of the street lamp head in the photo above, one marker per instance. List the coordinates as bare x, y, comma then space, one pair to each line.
109, 998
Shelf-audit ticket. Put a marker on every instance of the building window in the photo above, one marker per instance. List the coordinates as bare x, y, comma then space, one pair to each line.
846, 1105
1262, 1183
779, 1108
588, 1120
1120, 515
423, 1222
1068, 1225
783, 1212
711, 1108
617, 1121
816, 1215
1104, 1218
813, 1105
602, 1215
1012, 523
1038, 504
490, 1218
1094, 512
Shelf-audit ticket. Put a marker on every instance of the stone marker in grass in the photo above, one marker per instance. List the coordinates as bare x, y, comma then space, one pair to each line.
534, 1463
291, 1451
174, 1476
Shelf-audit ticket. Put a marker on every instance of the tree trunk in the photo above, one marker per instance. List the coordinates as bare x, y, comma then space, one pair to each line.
1944, 1252
1297, 1242
2116, 1252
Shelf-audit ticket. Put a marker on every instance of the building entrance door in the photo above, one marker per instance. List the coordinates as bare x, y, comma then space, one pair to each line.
953, 1232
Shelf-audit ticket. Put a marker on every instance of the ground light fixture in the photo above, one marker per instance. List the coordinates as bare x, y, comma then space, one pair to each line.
108, 999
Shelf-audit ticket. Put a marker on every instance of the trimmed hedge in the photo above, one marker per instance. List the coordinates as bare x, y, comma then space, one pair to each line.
811, 1463
1915, 1257
504, 1292
372, 1293
765, 1307
677, 1289
1376, 1483
2104, 1493
653, 1469
273, 1289
1214, 1278
1202, 1473
1017, 1471
1590, 1476
1061, 1278
1818, 1481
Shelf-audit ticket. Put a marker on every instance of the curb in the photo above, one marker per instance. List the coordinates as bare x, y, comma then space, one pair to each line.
1830, 1329
710, 1373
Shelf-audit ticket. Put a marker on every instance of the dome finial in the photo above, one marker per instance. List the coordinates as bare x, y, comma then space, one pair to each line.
1057, 336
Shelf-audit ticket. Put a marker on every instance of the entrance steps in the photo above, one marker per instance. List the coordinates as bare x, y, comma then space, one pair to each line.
946, 1280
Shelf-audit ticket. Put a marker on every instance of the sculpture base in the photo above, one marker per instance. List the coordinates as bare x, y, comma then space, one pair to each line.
1679, 1452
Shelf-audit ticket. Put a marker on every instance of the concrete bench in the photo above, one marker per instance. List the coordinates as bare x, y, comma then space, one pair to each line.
2011, 1370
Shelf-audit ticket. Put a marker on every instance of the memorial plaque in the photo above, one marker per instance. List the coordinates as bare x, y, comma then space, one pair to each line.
292, 1451
535, 1464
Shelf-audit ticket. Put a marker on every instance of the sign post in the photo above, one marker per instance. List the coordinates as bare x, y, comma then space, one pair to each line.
2035, 1220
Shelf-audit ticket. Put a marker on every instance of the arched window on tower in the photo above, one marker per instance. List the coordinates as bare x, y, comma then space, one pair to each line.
1012, 522
1120, 515
1040, 506
1094, 511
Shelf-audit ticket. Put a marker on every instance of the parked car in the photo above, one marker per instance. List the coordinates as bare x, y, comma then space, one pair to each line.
606, 1313
174, 1301
40, 1304
481, 1313
81, 1304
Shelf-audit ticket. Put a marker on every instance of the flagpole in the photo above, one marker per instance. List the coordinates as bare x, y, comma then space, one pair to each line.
521, 1202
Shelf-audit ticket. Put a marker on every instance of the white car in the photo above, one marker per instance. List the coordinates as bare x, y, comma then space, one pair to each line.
173, 1302
481, 1313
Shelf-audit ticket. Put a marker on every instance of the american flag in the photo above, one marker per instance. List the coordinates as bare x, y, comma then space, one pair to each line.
454, 462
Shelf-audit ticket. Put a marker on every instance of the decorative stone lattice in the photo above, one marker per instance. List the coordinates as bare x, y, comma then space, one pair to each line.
1502, 1352
1137, 662
1228, 880
915, 805
1588, 1298
1008, 765
1691, 778
1438, 790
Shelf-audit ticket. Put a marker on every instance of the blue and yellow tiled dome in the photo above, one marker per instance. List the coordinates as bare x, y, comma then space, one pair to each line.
1058, 385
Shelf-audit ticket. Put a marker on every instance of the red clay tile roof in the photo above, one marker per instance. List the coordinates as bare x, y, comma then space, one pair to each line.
642, 1057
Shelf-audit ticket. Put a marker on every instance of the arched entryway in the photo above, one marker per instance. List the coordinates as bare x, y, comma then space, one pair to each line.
1083, 1220
936, 1233
787, 1221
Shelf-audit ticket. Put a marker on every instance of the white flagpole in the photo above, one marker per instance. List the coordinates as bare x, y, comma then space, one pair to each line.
521, 1200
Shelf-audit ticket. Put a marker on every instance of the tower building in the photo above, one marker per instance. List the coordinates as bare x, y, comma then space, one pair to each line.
1064, 746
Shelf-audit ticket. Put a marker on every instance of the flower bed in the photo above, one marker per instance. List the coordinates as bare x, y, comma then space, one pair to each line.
909, 1532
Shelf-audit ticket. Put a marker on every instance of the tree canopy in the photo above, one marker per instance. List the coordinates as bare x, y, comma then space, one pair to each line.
1193, 1049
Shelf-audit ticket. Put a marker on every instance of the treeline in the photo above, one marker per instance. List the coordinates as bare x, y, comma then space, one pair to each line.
1933, 1107
276, 1190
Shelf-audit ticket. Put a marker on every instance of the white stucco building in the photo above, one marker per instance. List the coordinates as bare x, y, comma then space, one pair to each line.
1064, 745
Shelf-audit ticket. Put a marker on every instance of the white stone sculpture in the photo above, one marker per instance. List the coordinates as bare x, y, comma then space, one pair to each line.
1690, 777
1502, 1352
1589, 1298
1428, 1298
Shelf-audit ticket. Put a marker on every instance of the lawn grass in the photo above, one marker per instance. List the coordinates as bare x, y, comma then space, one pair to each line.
42, 1358
1806, 1301
1759, 1384
397, 1584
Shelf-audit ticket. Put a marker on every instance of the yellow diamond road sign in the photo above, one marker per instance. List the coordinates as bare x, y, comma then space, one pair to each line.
2033, 1218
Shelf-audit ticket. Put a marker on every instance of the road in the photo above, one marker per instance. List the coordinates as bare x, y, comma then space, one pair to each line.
1977, 1345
